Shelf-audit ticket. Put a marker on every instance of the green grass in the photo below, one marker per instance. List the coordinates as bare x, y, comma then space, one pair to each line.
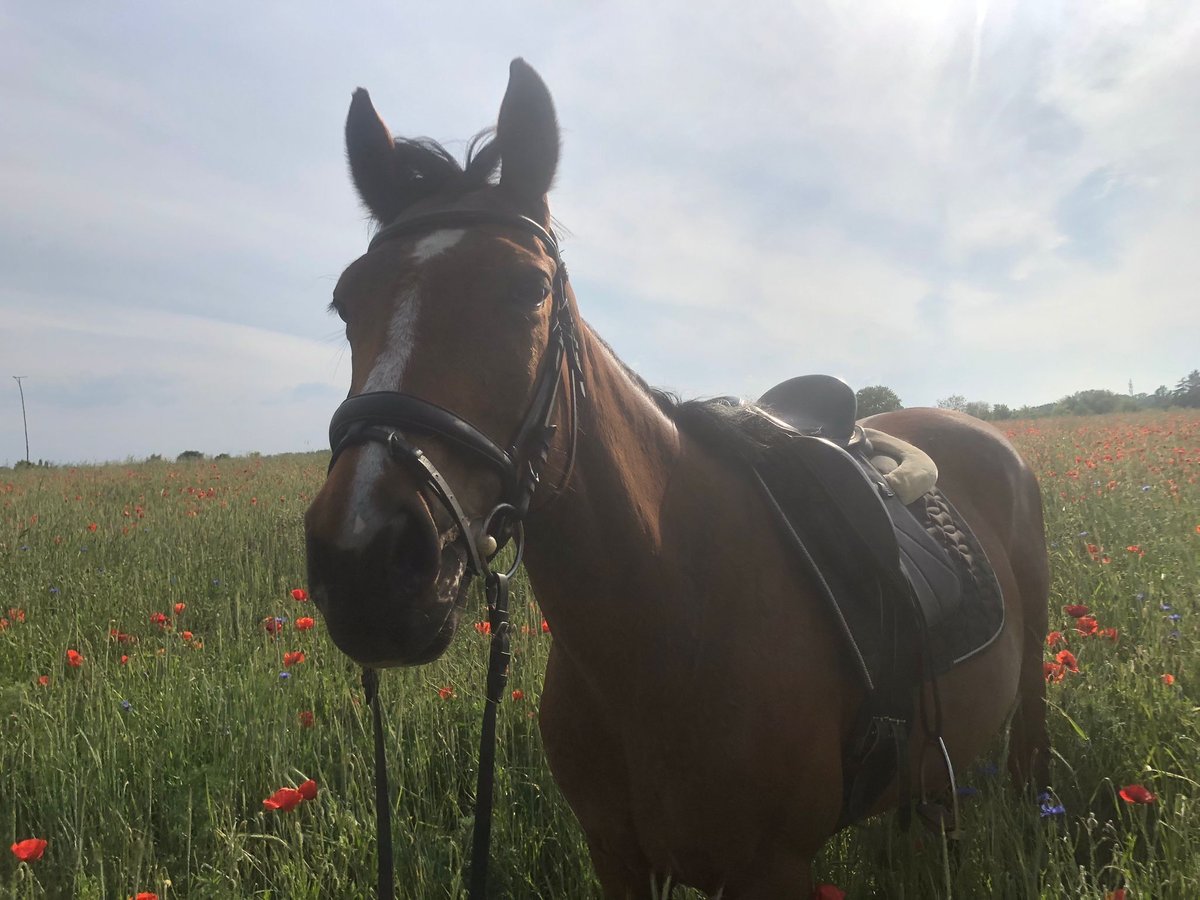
166, 796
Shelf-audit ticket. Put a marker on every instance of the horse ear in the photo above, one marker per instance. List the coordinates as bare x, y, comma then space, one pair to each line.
370, 150
527, 135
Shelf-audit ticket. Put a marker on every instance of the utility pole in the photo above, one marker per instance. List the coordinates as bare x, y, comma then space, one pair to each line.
24, 421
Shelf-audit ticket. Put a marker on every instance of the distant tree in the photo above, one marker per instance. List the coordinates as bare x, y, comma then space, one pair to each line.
189, 454
1001, 411
1162, 397
978, 408
954, 401
876, 399
1187, 392
1093, 403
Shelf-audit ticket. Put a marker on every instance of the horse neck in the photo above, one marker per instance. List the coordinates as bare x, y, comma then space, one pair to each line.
607, 518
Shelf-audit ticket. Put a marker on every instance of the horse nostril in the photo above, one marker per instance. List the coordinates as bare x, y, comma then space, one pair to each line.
409, 550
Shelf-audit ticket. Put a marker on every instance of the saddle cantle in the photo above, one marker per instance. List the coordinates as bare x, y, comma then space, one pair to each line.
903, 577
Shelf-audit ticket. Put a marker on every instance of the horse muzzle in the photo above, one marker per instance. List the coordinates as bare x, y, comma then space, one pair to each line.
391, 589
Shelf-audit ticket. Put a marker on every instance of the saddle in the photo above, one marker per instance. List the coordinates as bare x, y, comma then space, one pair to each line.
864, 517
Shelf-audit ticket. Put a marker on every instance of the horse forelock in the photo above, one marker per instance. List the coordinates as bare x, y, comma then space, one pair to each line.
423, 169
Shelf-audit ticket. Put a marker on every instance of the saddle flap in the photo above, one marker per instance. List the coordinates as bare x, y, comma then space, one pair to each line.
839, 487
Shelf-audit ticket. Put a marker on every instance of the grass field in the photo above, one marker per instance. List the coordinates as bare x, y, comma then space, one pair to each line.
144, 767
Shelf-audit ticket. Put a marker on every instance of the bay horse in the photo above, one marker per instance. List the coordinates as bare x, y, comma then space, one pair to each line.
696, 698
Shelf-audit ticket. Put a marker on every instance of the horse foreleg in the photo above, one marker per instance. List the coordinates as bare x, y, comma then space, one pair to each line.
588, 766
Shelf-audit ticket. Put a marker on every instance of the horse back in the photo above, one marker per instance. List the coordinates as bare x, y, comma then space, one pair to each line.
979, 470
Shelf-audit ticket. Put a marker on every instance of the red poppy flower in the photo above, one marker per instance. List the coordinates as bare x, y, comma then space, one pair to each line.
1053, 671
1086, 625
273, 624
1093, 549
1135, 793
1054, 638
1118, 894
187, 635
294, 658
74, 659
1111, 633
1168, 678
284, 800
124, 659
92, 526
159, 619
1075, 610
306, 719
1134, 548
308, 790
828, 892
299, 594
1067, 658
518, 695
446, 692
3, 624
483, 627
545, 627
16, 614
29, 850
145, 895
304, 623
180, 607
44, 680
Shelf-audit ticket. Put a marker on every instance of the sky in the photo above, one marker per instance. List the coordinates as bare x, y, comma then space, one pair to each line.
996, 200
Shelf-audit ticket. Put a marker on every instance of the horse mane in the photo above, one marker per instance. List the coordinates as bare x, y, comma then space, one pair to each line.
736, 430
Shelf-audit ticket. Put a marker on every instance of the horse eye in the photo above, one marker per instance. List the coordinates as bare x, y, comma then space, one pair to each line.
533, 292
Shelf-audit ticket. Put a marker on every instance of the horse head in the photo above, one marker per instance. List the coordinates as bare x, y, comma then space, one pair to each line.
460, 327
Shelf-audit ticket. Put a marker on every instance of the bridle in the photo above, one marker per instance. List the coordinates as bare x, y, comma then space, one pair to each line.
386, 416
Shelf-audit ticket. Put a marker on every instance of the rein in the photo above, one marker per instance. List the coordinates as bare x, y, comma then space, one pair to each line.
384, 417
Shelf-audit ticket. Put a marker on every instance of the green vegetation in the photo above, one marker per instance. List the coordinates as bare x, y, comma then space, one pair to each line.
148, 773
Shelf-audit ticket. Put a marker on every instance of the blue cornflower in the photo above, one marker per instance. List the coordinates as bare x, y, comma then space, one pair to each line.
1140, 596
53, 590
126, 705
1164, 606
1145, 487
1174, 617
1048, 806
967, 791
989, 769
23, 548
285, 675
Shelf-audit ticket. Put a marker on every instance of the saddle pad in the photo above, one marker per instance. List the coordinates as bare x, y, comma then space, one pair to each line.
911, 588
979, 617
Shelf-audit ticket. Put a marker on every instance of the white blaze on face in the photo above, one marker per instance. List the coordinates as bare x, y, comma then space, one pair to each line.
387, 375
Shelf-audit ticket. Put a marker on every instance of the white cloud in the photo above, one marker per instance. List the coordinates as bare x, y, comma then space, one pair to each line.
995, 199
110, 382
